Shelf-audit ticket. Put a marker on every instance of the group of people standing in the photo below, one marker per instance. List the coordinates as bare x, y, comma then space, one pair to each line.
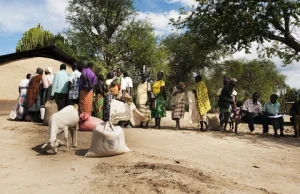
93, 93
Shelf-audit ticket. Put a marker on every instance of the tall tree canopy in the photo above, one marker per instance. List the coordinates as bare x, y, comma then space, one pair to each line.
187, 56
253, 76
35, 38
236, 24
94, 26
139, 50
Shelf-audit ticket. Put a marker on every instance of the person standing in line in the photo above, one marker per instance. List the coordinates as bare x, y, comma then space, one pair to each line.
23, 87
74, 81
126, 87
60, 88
47, 84
88, 80
143, 100
159, 105
110, 94
202, 101
119, 78
33, 97
178, 102
99, 97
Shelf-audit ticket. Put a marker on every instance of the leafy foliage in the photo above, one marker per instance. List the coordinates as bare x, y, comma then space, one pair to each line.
186, 56
35, 38
139, 51
236, 24
95, 25
253, 76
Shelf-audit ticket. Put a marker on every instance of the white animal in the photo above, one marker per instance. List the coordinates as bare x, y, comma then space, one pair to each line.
63, 121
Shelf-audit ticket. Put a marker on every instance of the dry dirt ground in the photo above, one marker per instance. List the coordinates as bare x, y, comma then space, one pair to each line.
160, 161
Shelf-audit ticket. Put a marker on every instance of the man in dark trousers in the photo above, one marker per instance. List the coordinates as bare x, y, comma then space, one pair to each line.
253, 113
295, 119
225, 102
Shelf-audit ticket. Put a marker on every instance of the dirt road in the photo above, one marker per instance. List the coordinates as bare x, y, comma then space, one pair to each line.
161, 161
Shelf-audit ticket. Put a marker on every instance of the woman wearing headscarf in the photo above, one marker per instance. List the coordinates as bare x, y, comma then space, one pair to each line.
178, 102
142, 100
158, 106
202, 101
47, 84
33, 97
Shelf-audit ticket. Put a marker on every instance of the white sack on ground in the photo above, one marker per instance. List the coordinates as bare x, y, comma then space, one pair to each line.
107, 140
136, 117
193, 109
119, 111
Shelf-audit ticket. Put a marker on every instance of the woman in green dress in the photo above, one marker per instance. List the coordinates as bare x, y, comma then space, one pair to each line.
159, 103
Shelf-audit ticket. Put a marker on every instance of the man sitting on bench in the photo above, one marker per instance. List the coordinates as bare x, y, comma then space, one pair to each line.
252, 111
272, 109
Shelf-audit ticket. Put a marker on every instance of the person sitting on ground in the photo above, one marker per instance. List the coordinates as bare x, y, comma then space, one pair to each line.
295, 119
225, 102
252, 111
272, 108
178, 102
202, 101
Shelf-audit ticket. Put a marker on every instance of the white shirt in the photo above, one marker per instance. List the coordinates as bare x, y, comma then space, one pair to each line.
251, 107
126, 83
74, 79
24, 83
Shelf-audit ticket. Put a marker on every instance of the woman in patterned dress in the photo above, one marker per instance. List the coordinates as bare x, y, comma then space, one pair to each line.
178, 102
202, 101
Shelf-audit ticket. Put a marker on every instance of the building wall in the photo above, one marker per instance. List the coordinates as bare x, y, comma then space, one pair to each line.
12, 72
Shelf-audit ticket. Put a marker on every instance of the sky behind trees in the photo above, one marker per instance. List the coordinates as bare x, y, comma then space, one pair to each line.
17, 16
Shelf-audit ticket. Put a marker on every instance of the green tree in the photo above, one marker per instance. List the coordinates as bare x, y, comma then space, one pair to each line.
35, 38
187, 57
253, 76
62, 43
138, 49
290, 95
94, 26
236, 24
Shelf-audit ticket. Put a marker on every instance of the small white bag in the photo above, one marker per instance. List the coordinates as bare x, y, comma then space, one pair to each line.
107, 140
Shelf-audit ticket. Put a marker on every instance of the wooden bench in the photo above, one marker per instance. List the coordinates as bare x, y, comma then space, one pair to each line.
286, 123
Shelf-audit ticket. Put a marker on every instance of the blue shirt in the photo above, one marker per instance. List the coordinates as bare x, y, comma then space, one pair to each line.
60, 83
272, 108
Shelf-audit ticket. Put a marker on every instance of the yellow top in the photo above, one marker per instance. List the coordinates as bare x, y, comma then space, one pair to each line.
202, 98
156, 86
